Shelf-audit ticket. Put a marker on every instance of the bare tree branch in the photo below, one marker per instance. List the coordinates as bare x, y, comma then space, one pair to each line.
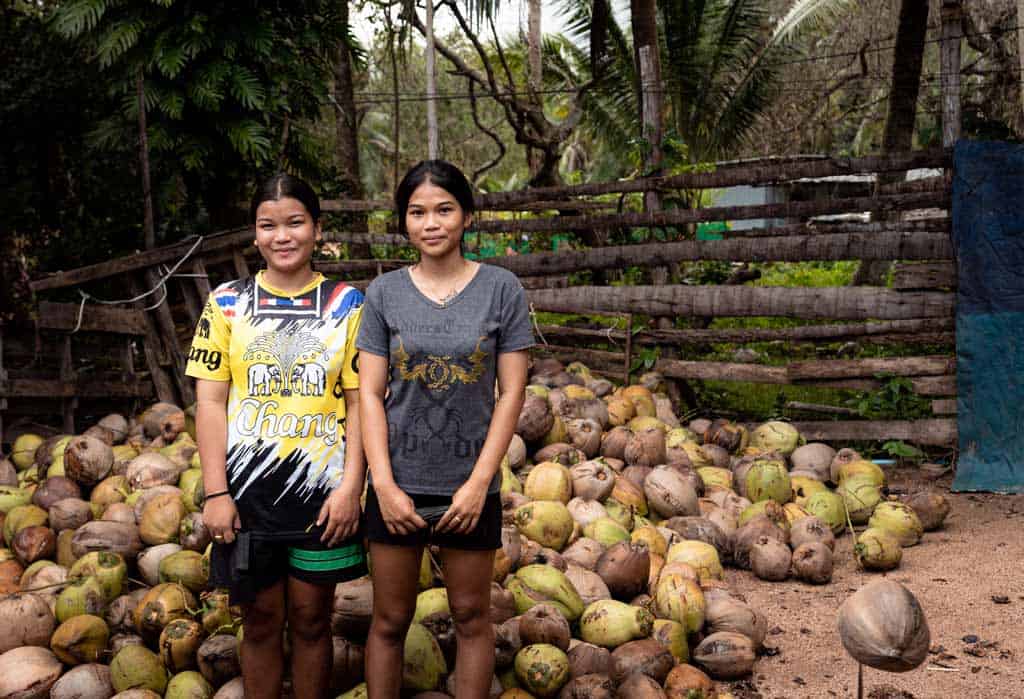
493, 135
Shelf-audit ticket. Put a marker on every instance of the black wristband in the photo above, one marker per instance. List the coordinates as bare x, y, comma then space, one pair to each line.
211, 496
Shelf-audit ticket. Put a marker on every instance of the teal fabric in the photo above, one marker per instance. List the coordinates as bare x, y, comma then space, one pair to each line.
988, 234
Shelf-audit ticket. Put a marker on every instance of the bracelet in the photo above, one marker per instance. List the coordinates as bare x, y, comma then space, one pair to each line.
211, 496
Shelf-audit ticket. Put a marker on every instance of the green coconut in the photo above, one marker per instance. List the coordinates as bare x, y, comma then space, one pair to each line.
543, 669
680, 599
860, 495
610, 623
137, 667
862, 469
830, 508
699, 555
540, 583
189, 685
108, 568
191, 484
672, 635
11, 497
713, 476
190, 568
898, 519
23, 451
606, 531
769, 480
621, 513
546, 522
776, 436
430, 602
877, 549
179, 643
423, 662
804, 487
80, 639
769, 508
82, 596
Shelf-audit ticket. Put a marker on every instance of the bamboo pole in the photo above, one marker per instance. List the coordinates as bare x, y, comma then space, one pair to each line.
949, 75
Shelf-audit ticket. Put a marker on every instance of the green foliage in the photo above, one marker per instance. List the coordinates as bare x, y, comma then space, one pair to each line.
903, 451
895, 399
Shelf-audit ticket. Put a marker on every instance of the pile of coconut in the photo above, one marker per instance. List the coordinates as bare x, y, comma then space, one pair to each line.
609, 582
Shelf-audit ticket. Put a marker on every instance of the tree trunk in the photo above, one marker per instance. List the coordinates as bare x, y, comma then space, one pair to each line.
148, 226
643, 15
396, 118
432, 135
534, 159
347, 129
908, 56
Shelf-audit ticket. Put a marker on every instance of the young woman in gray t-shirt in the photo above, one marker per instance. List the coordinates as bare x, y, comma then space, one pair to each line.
434, 339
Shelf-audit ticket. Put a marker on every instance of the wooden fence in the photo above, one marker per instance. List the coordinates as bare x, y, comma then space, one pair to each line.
908, 224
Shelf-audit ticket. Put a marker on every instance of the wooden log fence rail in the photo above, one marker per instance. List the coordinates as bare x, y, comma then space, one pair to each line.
916, 309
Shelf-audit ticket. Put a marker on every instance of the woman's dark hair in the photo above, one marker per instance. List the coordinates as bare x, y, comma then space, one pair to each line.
284, 185
441, 174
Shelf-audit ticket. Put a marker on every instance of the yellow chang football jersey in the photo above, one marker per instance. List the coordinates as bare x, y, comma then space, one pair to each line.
288, 357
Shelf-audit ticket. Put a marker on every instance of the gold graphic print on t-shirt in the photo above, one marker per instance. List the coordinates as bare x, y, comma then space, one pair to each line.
439, 373
285, 364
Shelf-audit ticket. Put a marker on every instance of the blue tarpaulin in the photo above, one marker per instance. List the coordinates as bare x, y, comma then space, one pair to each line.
988, 236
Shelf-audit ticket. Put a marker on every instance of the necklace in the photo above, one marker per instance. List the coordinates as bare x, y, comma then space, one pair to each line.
442, 300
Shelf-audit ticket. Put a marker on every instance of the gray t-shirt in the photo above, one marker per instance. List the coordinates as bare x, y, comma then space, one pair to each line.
442, 362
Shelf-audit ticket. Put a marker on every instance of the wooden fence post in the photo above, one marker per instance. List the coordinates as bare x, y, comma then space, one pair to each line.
949, 73
68, 404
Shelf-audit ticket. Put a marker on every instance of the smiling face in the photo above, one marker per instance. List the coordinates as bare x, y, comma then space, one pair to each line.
435, 221
286, 234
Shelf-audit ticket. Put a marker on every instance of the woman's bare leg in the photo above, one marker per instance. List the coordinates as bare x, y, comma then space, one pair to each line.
467, 576
395, 576
262, 650
309, 628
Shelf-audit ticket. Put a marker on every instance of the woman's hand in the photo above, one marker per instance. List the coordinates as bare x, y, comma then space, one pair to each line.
464, 513
398, 510
221, 519
340, 512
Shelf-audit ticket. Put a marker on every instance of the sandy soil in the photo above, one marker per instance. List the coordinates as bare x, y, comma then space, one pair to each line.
969, 578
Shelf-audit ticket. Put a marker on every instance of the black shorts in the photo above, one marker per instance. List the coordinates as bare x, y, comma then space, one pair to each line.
309, 561
486, 536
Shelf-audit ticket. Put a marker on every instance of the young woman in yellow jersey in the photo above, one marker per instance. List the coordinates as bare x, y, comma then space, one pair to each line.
278, 430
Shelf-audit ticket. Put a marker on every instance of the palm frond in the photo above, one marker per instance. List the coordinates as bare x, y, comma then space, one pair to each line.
809, 15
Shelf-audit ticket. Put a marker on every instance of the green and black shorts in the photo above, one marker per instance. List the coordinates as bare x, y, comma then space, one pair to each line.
272, 558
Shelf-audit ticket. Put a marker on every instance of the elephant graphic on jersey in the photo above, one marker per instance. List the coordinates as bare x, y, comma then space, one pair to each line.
309, 379
262, 377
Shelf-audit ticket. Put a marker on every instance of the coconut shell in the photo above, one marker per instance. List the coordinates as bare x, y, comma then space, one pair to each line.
110, 490
26, 620
218, 659
592, 480
883, 626
54, 489
645, 447
160, 606
8, 473
625, 567
28, 673
87, 460
535, 418
353, 610
69, 513
233, 689
119, 613
347, 669
931, 507
119, 512
151, 469
585, 435
685, 681
506, 642
34, 543
726, 655
770, 560
669, 493
503, 604
593, 686
543, 623
815, 458
120, 640
588, 659
758, 528
561, 453
811, 529
590, 409
588, 584
116, 537
510, 501
613, 442
812, 562
179, 643
164, 420
639, 686
701, 529
161, 519
90, 681
645, 656
725, 612
583, 552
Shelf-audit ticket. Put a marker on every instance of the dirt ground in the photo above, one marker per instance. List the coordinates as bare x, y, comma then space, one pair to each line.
968, 577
